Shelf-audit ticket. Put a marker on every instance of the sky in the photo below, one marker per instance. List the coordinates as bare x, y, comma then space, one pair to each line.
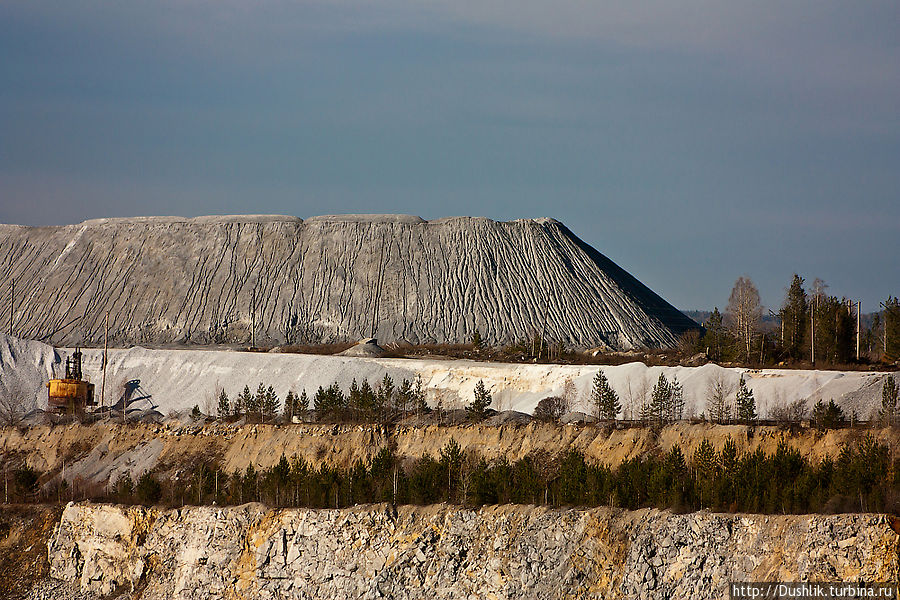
691, 142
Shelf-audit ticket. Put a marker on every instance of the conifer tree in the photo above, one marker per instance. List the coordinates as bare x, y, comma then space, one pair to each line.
714, 339
794, 316
384, 395
892, 329
243, 403
303, 402
270, 403
477, 409
660, 401
254, 409
320, 401
676, 400
290, 405
418, 398
889, 393
366, 398
224, 408
604, 399
706, 461
403, 396
746, 403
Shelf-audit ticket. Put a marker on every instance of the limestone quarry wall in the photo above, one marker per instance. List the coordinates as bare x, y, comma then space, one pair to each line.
441, 551
398, 278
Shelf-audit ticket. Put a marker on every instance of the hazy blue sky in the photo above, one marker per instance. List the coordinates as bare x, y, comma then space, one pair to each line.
691, 142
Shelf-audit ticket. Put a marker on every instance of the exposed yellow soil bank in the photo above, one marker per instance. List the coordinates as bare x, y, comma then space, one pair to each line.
89, 449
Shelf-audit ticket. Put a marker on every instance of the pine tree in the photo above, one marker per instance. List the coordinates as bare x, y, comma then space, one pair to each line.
889, 393
660, 401
892, 329
384, 395
270, 403
706, 461
477, 410
418, 397
320, 401
254, 409
303, 402
604, 399
676, 400
244, 402
794, 316
746, 403
714, 339
330, 400
366, 398
290, 405
224, 408
404, 396
353, 395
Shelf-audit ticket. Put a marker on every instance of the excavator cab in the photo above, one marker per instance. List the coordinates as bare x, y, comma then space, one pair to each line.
73, 393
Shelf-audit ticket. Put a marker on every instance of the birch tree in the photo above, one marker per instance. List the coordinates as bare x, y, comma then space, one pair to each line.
744, 312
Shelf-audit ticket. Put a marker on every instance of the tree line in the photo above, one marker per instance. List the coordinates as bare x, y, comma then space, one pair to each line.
726, 402
862, 477
361, 402
812, 326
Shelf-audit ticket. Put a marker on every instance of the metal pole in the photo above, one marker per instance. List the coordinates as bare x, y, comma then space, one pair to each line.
858, 308
253, 318
105, 349
812, 335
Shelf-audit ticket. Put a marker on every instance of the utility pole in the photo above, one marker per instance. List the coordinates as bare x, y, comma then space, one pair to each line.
253, 318
812, 336
544, 329
103, 380
12, 302
858, 328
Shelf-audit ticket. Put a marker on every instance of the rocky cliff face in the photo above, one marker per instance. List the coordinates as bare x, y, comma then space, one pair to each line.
209, 280
450, 552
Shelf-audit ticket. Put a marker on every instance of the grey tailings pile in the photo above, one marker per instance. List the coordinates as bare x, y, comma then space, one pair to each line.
170, 280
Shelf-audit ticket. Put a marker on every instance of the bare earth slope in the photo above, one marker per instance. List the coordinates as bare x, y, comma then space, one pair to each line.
193, 281
103, 452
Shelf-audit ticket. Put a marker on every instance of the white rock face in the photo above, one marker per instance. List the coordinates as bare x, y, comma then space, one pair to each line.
450, 552
395, 277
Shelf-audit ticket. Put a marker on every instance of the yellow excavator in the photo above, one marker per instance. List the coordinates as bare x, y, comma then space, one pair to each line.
71, 394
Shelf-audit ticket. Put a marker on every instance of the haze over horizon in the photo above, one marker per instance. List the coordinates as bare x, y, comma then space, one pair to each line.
690, 144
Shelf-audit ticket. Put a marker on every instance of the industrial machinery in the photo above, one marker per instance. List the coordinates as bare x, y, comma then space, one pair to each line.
71, 394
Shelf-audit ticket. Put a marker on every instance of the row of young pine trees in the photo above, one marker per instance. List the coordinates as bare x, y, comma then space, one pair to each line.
361, 402
664, 405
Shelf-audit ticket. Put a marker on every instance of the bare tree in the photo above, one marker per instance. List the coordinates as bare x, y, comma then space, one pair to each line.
718, 398
569, 395
744, 312
788, 412
14, 403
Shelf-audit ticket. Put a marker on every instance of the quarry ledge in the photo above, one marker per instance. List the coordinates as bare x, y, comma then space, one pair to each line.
446, 551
